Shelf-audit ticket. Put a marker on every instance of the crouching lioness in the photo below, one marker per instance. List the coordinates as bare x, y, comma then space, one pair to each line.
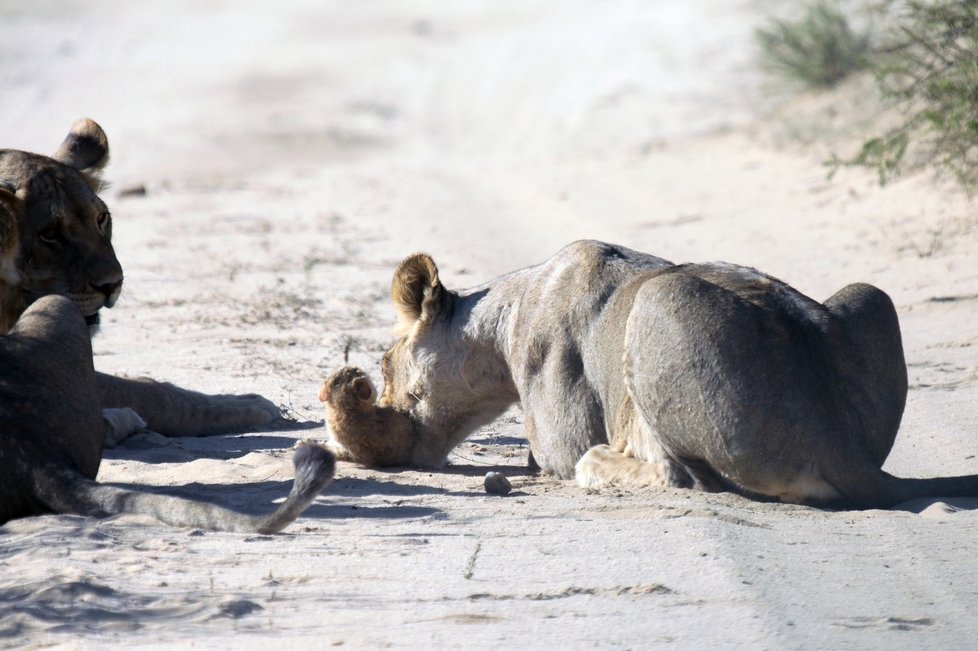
632, 369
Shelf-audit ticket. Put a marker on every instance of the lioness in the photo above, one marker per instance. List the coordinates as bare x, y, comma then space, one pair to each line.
52, 431
632, 369
65, 248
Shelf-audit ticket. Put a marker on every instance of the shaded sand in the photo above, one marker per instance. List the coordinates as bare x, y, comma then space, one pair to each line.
291, 156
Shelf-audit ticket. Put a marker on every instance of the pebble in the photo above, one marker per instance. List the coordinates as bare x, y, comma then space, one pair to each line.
497, 484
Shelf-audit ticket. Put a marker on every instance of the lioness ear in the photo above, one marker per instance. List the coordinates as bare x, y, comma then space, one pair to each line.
8, 199
417, 292
86, 148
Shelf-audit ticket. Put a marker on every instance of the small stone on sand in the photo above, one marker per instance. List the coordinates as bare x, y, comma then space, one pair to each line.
497, 484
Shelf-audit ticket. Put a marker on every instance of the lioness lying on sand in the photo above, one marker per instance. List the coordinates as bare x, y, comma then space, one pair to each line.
631, 369
52, 429
65, 248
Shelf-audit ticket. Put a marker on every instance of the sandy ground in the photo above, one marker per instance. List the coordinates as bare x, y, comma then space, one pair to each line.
293, 153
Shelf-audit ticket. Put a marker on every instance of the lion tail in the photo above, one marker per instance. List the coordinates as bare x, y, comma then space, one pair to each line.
65, 490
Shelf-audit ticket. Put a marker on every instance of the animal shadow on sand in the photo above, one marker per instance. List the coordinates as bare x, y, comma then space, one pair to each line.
253, 498
415, 486
150, 447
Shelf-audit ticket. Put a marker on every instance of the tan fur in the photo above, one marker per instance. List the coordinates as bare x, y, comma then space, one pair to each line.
415, 286
602, 466
361, 430
631, 369
65, 248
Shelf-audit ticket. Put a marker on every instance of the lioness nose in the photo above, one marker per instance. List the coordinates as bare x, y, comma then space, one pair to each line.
111, 291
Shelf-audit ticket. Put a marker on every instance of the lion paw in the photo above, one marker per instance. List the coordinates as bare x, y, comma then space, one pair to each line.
260, 410
120, 424
588, 471
602, 465
246, 412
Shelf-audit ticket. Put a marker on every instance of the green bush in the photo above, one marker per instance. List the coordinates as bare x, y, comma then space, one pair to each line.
930, 74
819, 50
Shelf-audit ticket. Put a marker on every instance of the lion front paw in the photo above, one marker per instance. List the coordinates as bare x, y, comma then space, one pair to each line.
589, 469
120, 424
604, 466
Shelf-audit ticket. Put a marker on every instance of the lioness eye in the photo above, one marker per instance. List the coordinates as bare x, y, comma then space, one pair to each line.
103, 221
49, 235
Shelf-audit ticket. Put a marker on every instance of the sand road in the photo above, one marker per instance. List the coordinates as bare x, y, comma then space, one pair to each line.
272, 162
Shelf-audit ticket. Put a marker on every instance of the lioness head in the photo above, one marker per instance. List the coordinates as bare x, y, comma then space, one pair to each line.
441, 371
443, 377
65, 228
